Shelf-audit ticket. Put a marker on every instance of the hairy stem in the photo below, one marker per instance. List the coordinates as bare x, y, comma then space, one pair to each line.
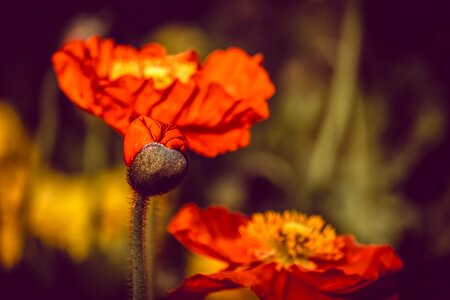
137, 248
151, 249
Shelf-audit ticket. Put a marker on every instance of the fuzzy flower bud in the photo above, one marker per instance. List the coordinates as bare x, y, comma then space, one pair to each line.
154, 153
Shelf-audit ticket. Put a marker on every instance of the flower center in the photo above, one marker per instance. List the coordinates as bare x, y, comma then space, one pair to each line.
292, 238
163, 70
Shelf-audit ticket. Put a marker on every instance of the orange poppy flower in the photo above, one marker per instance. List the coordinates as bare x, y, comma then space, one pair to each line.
213, 104
282, 256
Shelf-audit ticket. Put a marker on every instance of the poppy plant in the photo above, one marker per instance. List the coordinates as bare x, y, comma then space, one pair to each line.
213, 104
282, 256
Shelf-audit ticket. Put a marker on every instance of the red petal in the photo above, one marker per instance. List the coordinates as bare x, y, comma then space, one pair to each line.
233, 93
215, 123
83, 71
213, 232
198, 286
263, 279
215, 108
269, 284
362, 268
75, 70
242, 76
369, 261
211, 144
366, 272
165, 105
144, 131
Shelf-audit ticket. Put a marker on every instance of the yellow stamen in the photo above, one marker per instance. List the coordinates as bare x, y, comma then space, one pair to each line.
292, 238
163, 71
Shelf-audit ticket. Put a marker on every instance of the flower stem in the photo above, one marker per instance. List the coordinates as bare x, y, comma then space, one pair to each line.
137, 248
151, 235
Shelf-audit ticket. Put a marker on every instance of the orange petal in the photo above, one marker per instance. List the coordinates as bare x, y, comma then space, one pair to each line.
264, 280
213, 232
214, 122
233, 93
106, 79
369, 261
272, 283
363, 270
211, 143
215, 106
165, 105
74, 68
144, 131
241, 75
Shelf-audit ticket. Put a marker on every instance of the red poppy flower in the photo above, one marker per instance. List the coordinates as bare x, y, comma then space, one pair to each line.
213, 104
282, 256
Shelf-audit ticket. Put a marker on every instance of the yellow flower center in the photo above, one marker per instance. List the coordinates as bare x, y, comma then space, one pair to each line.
291, 238
164, 71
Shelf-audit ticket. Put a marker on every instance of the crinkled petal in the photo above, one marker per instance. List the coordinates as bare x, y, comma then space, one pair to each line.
144, 131
214, 106
264, 280
214, 122
368, 261
241, 75
233, 93
213, 232
107, 79
212, 143
271, 283
363, 268
75, 70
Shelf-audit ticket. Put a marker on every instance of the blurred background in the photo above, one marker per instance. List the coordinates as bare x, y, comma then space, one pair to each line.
358, 132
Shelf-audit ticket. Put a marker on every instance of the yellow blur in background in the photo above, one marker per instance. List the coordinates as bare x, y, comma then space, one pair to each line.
72, 213
15, 162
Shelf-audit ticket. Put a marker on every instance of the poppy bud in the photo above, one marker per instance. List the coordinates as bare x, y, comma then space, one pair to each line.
154, 154
156, 169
